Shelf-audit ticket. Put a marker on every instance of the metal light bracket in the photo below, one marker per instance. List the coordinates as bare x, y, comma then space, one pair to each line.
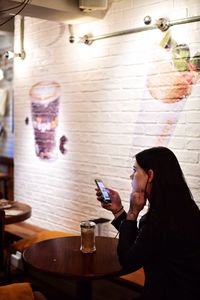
163, 24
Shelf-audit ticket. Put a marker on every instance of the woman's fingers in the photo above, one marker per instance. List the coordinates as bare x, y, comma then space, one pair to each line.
101, 199
137, 201
99, 195
115, 200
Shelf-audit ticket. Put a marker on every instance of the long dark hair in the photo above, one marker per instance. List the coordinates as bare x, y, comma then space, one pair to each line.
170, 196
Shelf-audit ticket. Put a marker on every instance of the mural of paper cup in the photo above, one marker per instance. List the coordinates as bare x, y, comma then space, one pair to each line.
44, 97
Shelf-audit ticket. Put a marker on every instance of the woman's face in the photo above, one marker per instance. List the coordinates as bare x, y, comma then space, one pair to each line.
139, 179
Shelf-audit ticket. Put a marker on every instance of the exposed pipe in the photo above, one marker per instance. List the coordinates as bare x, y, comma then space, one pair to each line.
22, 51
89, 39
184, 21
163, 24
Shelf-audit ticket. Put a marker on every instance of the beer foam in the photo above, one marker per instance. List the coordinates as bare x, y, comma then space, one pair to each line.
44, 91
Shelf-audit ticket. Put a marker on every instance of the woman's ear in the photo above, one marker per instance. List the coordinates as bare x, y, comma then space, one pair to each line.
151, 175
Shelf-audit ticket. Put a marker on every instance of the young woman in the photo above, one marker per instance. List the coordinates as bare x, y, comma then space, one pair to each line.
167, 242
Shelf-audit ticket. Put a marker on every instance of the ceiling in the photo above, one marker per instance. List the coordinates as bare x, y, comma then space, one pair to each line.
66, 11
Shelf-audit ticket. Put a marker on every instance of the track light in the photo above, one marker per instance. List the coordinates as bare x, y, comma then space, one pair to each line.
22, 53
10, 55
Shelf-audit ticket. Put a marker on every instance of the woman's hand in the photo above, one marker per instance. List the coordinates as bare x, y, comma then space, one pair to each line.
137, 203
115, 204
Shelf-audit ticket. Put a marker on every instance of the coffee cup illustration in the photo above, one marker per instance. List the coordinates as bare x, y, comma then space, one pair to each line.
44, 97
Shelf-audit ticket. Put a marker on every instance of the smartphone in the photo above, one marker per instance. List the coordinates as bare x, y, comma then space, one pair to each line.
102, 188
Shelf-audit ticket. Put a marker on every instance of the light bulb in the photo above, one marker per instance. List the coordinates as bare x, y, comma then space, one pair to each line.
9, 54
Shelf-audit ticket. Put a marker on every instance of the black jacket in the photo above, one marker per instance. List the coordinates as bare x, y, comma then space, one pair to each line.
171, 261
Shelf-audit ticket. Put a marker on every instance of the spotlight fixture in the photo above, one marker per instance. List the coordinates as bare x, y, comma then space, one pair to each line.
163, 24
147, 20
10, 55
71, 32
22, 53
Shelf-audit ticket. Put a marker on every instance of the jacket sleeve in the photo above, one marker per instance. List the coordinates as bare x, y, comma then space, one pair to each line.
117, 222
137, 246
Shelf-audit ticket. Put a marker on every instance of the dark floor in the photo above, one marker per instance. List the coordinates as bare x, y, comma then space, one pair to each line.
102, 290
62, 289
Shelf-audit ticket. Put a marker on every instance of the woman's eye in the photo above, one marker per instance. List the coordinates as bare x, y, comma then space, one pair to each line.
134, 170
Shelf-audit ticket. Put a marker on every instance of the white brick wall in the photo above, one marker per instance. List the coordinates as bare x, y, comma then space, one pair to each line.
103, 86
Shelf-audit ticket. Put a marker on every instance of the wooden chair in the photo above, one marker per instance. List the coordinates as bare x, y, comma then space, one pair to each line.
4, 264
20, 291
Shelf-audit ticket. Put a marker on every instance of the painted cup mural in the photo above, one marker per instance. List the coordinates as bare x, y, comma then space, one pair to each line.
44, 98
170, 79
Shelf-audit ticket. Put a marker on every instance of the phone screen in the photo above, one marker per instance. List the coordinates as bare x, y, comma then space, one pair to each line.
102, 188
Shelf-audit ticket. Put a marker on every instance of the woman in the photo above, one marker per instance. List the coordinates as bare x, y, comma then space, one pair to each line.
167, 243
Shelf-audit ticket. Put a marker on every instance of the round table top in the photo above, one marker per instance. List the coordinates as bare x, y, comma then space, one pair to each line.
18, 212
62, 257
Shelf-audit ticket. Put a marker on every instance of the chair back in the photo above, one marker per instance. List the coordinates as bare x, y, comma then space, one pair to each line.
2, 223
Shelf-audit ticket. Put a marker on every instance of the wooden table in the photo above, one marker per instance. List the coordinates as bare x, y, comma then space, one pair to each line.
61, 257
24, 212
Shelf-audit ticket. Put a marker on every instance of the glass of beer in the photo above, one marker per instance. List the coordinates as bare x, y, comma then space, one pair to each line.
87, 237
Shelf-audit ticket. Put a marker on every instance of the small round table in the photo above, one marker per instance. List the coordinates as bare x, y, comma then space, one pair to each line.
18, 212
61, 257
